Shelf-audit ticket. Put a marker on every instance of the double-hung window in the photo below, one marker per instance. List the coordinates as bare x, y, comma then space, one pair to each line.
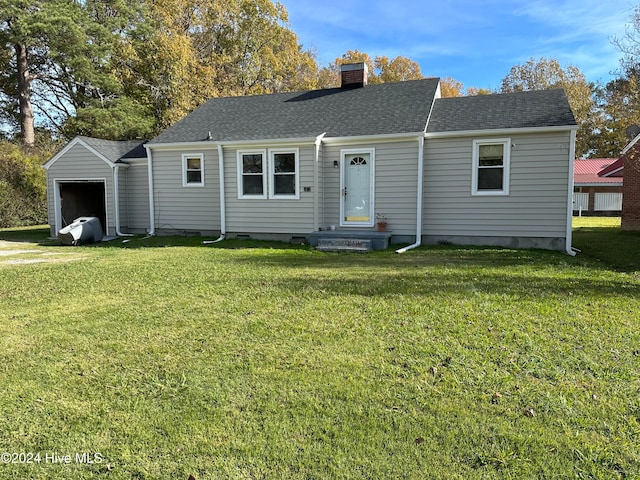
252, 179
193, 170
283, 174
275, 175
491, 160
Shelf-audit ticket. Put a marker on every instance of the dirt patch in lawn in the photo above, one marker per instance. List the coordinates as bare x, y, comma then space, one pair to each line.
20, 253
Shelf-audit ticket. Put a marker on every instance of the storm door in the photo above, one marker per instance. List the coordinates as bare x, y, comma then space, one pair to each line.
357, 188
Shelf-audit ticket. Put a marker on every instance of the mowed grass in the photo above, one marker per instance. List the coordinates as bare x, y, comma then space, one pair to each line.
164, 358
601, 240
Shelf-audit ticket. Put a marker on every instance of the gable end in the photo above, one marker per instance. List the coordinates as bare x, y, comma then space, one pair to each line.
69, 146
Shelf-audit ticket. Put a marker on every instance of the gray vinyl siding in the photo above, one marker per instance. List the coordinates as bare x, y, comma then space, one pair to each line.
267, 215
134, 210
51, 214
535, 207
396, 184
185, 209
78, 163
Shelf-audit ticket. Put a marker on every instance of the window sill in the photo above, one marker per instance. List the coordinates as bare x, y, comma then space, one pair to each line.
252, 197
490, 193
285, 197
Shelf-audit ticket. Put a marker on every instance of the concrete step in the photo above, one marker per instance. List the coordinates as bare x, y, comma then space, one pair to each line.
379, 240
344, 245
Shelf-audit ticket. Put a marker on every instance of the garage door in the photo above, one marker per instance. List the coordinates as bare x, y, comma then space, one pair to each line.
82, 199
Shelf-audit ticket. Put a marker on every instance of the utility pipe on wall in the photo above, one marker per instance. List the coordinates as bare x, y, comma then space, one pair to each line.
316, 183
419, 203
152, 221
116, 199
568, 235
223, 216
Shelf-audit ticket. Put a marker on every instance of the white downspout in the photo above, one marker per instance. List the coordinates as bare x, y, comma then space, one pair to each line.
316, 183
419, 204
116, 200
223, 217
152, 221
223, 208
569, 233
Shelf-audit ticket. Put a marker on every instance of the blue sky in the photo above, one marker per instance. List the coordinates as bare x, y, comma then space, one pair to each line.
475, 42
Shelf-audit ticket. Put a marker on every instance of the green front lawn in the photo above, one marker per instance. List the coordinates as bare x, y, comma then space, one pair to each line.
163, 358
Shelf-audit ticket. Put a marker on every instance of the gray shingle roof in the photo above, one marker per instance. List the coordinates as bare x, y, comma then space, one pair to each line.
544, 108
116, 151
389, 108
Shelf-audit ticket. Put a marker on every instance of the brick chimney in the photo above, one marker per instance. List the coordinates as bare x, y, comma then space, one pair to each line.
631, 189
353, 75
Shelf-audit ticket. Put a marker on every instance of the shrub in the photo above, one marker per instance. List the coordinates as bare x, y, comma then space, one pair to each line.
23, 191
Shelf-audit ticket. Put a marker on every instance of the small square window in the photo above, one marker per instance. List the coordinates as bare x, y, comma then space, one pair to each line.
193, 170
491, 167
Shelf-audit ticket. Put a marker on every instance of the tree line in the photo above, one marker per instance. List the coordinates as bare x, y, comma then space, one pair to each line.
127, 69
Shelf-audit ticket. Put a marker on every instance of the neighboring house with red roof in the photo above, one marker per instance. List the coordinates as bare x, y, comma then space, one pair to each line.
597, 186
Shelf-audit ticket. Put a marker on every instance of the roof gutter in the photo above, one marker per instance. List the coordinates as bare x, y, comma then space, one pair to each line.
569, 232
116, 199
501, 131
233, 143
419, 202
601, 184
152, 222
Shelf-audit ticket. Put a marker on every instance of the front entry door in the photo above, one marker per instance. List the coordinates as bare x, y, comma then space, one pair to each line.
356, 184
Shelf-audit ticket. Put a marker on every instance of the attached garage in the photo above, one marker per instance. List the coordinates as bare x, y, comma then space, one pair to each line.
87, 178
85, 198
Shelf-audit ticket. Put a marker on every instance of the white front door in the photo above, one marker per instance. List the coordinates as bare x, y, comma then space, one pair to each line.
356, 187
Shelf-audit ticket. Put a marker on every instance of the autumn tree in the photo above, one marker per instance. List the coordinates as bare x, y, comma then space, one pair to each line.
629, 43
399, 69
23, 197
617, 108
380, 69
191, 51
618, 102
472, 91
264, 53
129, 68
542, 74
450, 87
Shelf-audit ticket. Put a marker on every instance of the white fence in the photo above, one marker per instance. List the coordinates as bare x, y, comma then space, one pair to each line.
581, 201
608, 201
603, 202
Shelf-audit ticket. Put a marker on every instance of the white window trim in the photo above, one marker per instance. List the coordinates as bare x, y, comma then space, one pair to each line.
506, 143
265, 167
343, 166
272, 173
186, 183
